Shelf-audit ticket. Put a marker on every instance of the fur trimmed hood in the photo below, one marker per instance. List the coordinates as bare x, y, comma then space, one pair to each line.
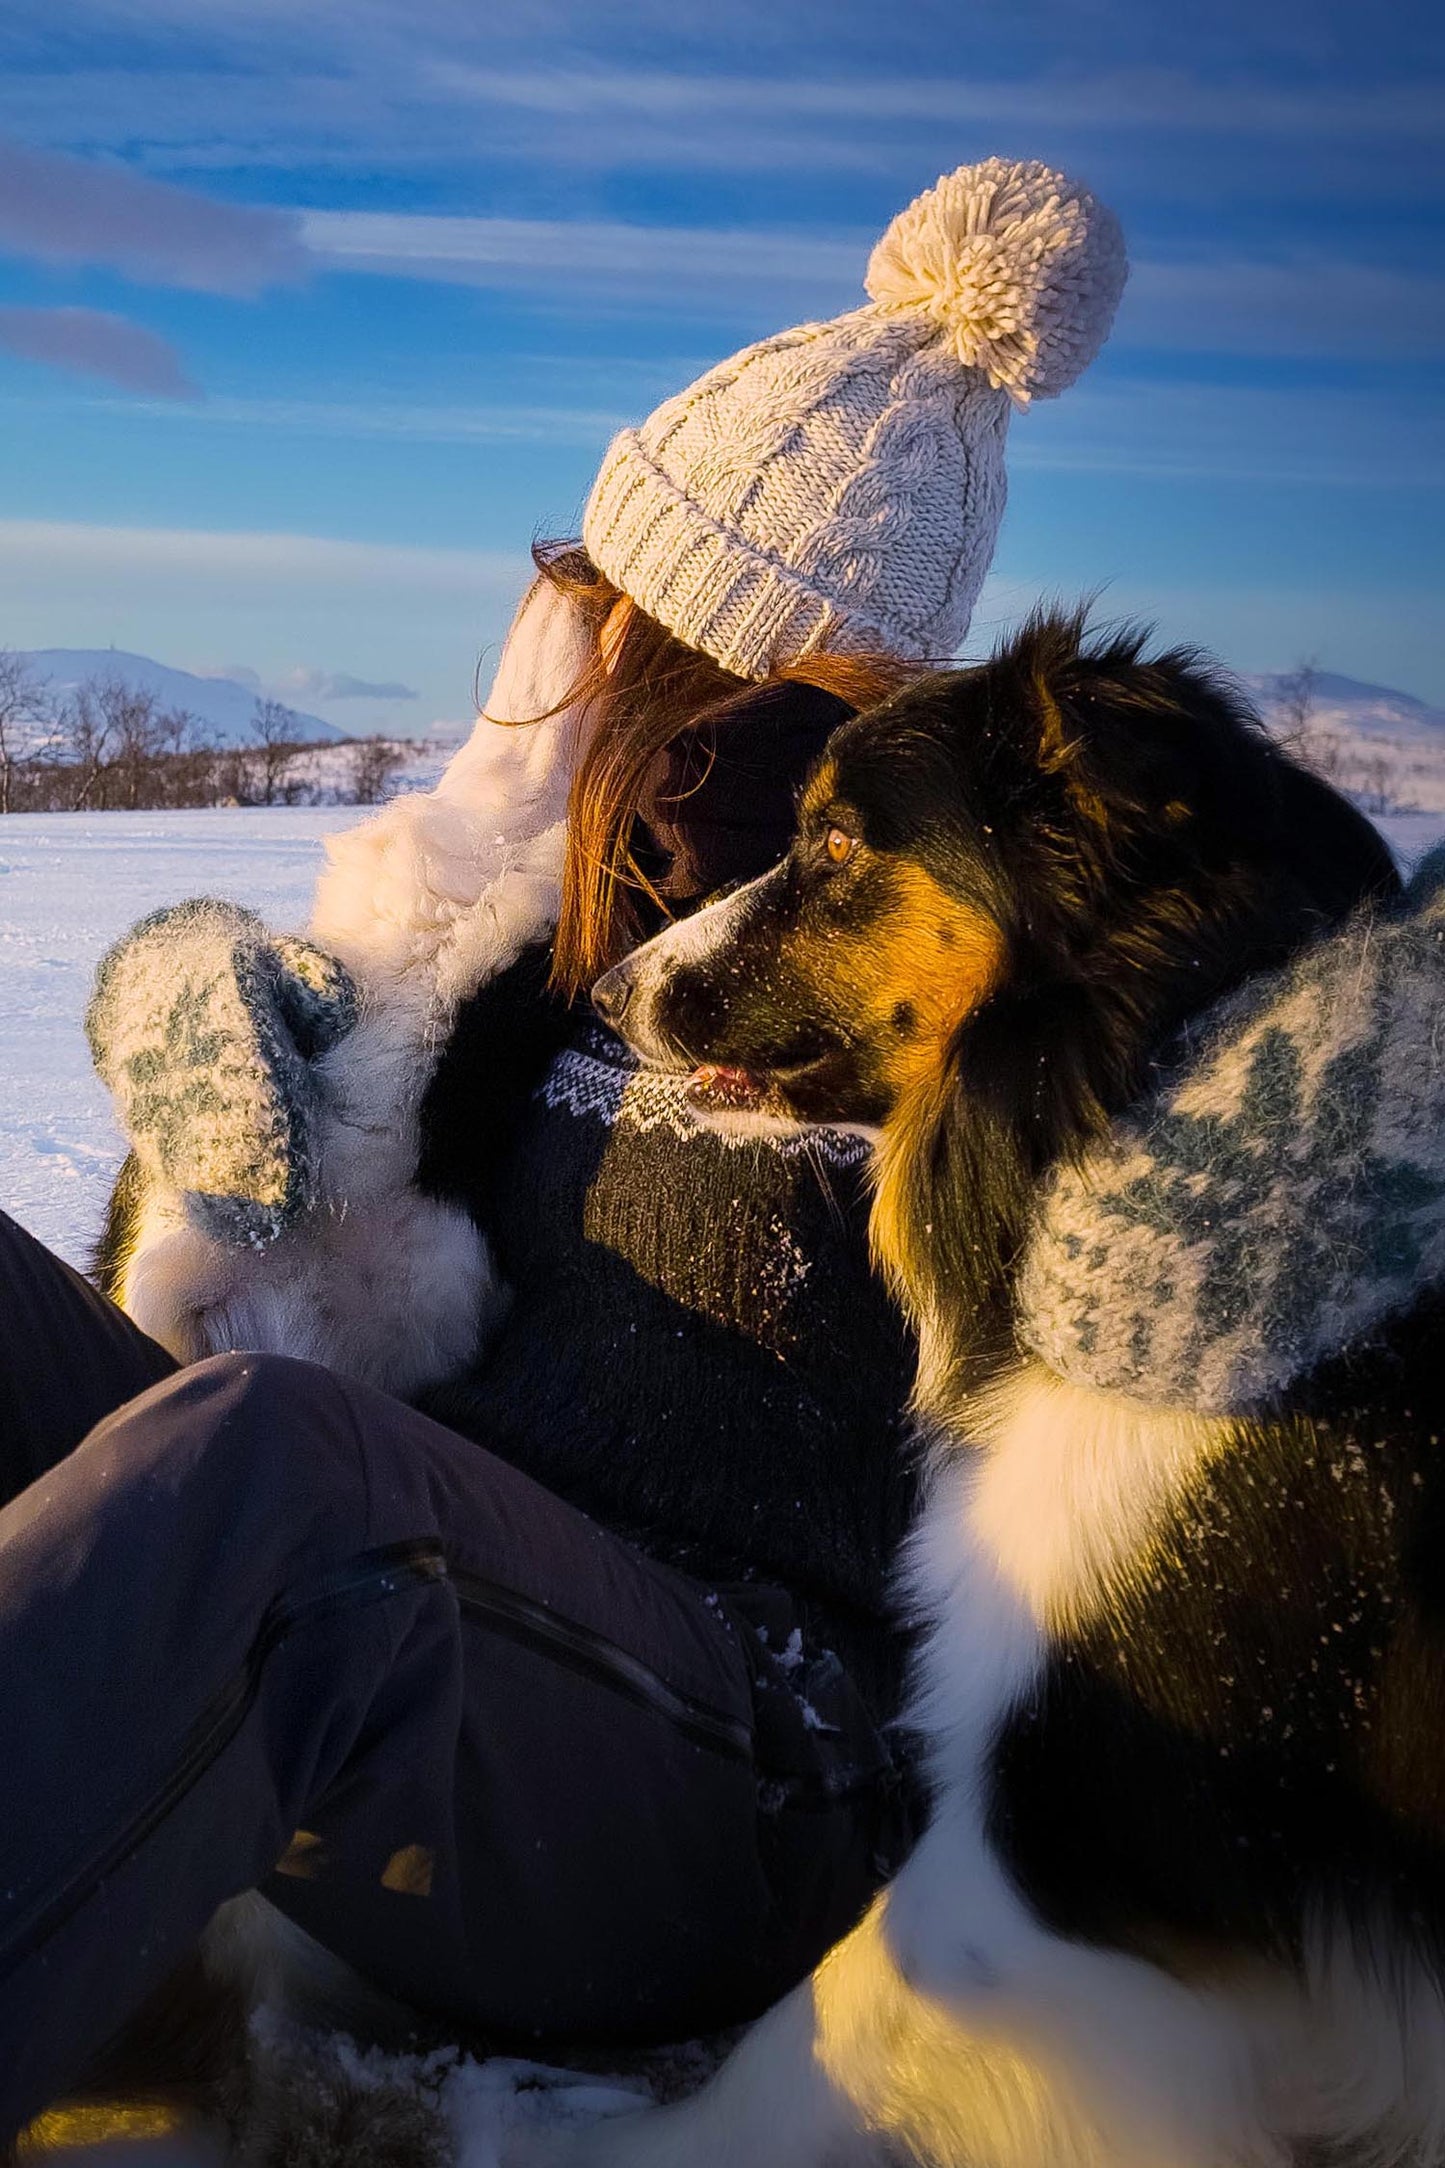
418, 901
423, 903
1282, 1195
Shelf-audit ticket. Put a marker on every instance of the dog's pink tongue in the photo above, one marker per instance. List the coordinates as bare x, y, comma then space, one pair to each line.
724, 1087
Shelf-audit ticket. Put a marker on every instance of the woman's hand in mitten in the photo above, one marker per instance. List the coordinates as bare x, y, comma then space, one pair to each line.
205, 1027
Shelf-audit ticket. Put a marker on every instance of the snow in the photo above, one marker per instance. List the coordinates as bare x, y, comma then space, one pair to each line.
1385, 747
69, 885
481, 2103
1348, 704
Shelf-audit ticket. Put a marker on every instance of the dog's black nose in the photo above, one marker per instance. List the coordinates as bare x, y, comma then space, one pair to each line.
612, 993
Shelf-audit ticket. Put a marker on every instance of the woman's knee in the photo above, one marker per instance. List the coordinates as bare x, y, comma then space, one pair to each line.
252, 1436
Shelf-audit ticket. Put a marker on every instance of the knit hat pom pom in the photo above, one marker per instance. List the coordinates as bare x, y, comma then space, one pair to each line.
1020, 268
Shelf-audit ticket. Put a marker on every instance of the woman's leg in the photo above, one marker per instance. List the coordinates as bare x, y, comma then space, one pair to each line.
68, 1358
263, 1623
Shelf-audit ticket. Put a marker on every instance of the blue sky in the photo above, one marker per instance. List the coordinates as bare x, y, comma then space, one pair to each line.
314, 312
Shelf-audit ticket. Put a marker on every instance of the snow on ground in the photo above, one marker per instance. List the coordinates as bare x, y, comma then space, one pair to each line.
69, 884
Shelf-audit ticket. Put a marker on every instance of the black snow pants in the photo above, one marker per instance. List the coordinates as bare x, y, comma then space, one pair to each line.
263, 1627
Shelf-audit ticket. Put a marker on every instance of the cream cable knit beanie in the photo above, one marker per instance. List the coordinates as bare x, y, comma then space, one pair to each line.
841, 485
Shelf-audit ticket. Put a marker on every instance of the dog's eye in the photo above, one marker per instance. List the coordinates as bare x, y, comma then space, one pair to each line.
839, 846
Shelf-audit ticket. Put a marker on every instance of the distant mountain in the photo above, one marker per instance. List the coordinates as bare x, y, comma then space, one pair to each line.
1345, 704
223, 708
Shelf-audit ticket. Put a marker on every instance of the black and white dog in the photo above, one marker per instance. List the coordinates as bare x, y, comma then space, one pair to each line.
1182, 1900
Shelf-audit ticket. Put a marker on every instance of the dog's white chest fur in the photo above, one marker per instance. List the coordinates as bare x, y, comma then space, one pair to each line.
1062, 1490
1046, 1500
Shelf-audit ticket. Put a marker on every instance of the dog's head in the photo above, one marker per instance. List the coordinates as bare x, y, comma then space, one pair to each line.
1059, 855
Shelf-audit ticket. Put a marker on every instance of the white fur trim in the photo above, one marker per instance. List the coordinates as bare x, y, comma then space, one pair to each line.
424, 903
398, 1293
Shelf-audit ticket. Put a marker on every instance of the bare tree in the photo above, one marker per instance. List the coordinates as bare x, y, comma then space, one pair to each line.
111, 745
1374, 785
1298, 726
141, 734
273, 725
85, 730
1297, 695
24, 721
188, 762
119, 747
374, 763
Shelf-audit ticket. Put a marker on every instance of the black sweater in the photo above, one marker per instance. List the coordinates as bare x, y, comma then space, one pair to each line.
698, 1354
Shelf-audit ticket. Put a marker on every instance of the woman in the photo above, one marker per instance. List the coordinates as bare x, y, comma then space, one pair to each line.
527, 1641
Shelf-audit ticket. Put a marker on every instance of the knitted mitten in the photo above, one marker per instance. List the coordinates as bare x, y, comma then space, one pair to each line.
205, 1025
1279, 1198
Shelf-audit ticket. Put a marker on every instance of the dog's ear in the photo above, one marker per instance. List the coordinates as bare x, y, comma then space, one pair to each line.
1114, 730
1062, 692
1048, 683
1059, 742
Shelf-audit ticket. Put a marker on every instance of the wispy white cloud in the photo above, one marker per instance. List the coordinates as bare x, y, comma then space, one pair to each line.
64, 210
1124, 423
304, 682
1263, 435
97, 343
359, 93
198, 553
1302, 303
1140, 99
567, 256
1296, 303
309, 684
424, 615
418, 422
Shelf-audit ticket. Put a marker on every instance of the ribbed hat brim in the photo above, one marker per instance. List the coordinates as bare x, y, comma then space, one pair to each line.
704, 582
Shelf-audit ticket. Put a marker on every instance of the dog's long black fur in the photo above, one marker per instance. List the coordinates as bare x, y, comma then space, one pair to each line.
1140, 844
1257, 1731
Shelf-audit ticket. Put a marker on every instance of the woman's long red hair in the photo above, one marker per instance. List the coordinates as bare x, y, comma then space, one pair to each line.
642, 687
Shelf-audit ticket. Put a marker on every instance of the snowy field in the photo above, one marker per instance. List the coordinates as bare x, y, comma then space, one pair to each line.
69, 884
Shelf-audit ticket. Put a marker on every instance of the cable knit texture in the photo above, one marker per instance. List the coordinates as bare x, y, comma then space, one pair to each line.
1279, 1199
841, 485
